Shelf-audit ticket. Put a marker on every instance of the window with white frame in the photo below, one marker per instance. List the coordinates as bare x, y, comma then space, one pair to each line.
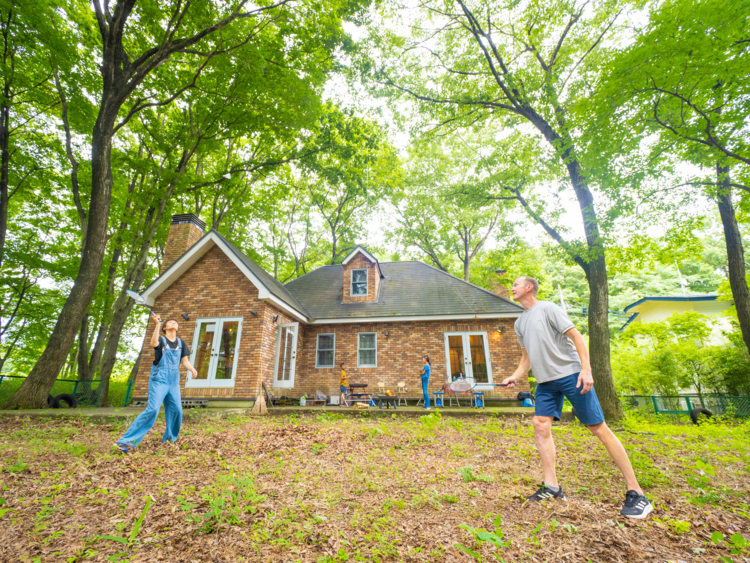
359, 282
325, 351
367, 350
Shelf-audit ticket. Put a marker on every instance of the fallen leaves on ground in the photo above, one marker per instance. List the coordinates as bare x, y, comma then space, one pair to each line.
330, 489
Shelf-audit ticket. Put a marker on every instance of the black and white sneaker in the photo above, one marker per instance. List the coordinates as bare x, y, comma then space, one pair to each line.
636, 505
545, 493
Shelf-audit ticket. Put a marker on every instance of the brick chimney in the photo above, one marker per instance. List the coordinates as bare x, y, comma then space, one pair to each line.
184, 232
496, 285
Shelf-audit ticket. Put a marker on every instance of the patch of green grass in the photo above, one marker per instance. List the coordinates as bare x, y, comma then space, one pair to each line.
16, 467
468, 475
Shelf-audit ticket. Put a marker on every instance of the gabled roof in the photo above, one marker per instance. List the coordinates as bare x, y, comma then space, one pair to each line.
359, 249
692, 297
269, 289
410, 290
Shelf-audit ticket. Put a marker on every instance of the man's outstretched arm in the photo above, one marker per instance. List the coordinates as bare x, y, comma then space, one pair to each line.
585, 378
523, 368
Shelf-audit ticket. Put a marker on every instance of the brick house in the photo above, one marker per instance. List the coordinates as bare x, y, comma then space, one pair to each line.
379, 318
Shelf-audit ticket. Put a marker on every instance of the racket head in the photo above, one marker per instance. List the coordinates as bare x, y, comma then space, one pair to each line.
461, 385
135, 297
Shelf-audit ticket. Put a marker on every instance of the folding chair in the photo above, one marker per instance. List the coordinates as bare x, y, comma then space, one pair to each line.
401, 392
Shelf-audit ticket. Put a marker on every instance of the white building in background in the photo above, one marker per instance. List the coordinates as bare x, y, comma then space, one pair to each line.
661, 307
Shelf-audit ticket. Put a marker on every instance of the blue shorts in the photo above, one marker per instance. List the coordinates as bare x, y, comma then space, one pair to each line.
550, 395
342, 388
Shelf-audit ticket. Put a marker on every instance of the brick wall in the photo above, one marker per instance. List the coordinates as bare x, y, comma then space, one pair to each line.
214, 287
399, 355
360, 262
183, 233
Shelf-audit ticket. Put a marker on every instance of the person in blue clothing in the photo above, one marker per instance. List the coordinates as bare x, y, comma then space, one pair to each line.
426, 381
163, 386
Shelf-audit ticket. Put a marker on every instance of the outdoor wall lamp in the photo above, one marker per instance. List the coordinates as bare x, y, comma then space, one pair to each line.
276, 318
185, 316
386, 333
254, 313
499, 330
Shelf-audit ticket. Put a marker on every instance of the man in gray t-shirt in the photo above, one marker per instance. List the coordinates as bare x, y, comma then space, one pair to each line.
541, 332
556, 353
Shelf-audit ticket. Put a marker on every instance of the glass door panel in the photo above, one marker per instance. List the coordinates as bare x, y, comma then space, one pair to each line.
286, 355
204, 349
456, 353
467, 353
226, 353
478, 358
214, 353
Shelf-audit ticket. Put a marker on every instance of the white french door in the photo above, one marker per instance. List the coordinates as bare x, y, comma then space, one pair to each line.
286, 355
216, 343
468, 354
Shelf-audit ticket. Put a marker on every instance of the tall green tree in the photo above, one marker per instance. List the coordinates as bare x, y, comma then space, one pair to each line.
150, 55
442, 208
524, 65
348, 181
684, 78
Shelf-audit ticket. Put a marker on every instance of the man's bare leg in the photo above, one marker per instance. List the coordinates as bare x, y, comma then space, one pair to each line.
545, 445
617, 453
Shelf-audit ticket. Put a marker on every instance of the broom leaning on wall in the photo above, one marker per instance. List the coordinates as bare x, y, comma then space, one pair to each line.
260, 403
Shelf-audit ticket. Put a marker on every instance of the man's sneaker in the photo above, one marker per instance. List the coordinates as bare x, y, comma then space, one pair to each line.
636, 505
545, 493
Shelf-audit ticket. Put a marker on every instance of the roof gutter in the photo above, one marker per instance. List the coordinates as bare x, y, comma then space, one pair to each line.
396, 319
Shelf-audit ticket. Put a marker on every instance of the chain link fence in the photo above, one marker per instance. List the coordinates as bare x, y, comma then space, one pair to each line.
684, 404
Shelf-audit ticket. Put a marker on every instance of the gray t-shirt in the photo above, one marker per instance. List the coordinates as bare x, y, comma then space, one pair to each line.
541, 331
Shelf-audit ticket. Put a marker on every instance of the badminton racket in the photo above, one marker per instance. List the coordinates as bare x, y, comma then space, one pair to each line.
466, 385
138, 299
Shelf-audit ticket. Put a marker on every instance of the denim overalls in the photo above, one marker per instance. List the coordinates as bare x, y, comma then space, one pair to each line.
163, 387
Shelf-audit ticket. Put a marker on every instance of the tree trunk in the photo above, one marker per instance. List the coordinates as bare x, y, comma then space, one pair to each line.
83, 350
4, 171
110, 349
334, 246
599, 348
735, 252
35, 388
596, 276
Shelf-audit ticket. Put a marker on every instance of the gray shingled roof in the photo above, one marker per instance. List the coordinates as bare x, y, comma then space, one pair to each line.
409, 289
273, 285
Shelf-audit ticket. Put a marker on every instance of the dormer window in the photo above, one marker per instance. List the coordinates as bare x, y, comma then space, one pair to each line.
359, 283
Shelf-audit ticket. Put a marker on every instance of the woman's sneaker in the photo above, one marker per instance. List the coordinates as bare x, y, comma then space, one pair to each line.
124, 448
545, 493
636, 505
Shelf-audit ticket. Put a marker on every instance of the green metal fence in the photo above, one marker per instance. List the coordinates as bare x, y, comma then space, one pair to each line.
86, 392
684, 404
128, 393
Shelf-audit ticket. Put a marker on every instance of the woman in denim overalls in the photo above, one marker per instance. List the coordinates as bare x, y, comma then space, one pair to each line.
163, 387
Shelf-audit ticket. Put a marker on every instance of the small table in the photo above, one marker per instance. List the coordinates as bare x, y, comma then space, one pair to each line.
358, 392
389, 400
